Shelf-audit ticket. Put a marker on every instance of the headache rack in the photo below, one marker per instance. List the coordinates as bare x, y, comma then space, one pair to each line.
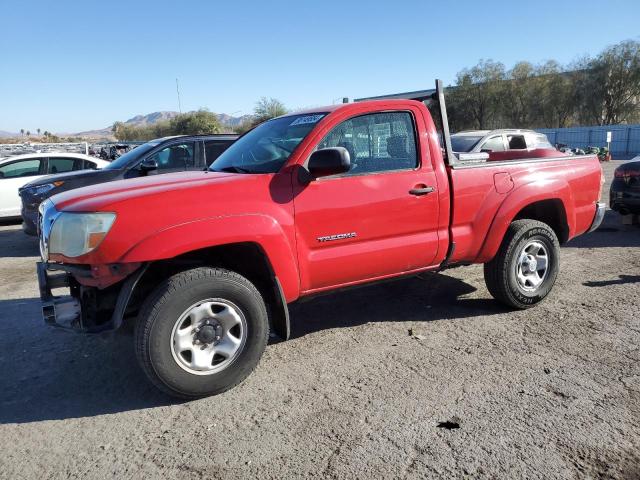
434, 100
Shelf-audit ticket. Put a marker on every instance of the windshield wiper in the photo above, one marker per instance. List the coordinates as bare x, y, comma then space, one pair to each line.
233, 169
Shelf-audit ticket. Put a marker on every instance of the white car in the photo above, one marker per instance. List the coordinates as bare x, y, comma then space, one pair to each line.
21, 169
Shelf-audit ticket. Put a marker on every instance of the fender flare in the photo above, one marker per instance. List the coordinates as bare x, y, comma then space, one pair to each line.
520, 198
261, 230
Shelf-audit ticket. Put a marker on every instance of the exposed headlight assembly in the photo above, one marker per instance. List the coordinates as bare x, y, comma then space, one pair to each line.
74, 234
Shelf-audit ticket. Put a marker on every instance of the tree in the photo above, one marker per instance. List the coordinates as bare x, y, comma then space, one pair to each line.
115, 127
195, 123
608, 86
201, 122
616, 75
38, 132
519, 95
28, 133
22, 132
478, 92
556, 98
267, 108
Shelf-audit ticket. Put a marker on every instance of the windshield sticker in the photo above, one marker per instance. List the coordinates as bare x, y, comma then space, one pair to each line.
306, 119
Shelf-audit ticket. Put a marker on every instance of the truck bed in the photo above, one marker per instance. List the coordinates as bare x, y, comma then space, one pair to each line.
485, 197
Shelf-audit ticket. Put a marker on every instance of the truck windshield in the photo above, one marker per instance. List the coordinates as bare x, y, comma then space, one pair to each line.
266, 148
132, 155
464, 143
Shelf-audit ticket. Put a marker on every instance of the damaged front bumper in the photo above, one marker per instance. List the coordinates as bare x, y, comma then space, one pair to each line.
59, 311
85, 309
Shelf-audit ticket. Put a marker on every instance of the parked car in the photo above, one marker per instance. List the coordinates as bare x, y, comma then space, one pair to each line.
18, 170
506, 144
624, 195
302, 204
163, 155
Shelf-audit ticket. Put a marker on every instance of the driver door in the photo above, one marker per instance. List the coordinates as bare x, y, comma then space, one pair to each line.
372, 221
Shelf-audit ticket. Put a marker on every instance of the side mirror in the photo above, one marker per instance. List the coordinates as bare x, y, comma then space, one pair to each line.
329, 161
147, 165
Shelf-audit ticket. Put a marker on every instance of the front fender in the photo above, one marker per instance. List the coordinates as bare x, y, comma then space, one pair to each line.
536, 191
211, 232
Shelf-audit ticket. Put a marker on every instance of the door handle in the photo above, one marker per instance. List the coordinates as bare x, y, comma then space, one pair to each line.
421, 191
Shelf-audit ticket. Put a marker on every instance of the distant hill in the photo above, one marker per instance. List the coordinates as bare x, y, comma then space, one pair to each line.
4, 134
155, 117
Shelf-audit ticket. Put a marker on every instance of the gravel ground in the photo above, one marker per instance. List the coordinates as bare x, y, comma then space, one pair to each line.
553, 392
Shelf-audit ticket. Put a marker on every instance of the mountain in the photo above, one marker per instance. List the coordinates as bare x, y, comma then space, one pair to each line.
155, 117
4, 134
231, 121
150, 118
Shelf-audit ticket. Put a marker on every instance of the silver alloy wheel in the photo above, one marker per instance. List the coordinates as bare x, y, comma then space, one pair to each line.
208, 336
532, 266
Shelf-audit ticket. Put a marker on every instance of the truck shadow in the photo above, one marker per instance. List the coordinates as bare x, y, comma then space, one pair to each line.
425, 298
15, 243
52, 375
612, 233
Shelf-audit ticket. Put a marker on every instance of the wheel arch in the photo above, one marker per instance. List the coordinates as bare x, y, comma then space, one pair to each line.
245, 258
547, 201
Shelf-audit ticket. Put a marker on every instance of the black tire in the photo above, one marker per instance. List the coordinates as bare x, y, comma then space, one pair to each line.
500, 273
163, 307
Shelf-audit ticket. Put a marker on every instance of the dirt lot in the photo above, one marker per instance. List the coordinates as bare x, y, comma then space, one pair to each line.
553, 392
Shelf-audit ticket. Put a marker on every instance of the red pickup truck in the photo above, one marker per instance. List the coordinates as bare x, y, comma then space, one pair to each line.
206, 262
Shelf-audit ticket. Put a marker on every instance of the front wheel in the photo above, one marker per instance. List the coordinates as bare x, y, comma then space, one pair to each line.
525, 268
201, 332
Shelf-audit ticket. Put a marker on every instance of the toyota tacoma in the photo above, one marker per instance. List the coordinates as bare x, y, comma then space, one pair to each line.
206, 262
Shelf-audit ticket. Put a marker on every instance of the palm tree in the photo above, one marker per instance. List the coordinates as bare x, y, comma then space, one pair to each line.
22, 132
38, 132
28, 133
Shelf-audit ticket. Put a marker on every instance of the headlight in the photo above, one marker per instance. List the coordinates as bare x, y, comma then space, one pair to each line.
74, 234
42, 189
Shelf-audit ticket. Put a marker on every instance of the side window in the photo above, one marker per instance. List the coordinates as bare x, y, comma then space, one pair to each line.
516, 142
60, 165
24, 168
494, 144
376, 142
90, 165
214, 148
175, 157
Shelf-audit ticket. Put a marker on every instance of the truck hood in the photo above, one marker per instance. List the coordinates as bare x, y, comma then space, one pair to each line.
147, 207
120, 194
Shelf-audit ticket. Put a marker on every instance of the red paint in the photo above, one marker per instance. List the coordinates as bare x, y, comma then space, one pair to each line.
160, 217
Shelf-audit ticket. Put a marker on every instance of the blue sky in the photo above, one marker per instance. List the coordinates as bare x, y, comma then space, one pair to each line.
70, 66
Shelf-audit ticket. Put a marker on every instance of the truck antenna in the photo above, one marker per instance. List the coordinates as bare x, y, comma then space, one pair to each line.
178, 91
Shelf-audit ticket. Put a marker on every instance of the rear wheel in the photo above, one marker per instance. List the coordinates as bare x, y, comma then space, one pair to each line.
201, 332
525, 269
